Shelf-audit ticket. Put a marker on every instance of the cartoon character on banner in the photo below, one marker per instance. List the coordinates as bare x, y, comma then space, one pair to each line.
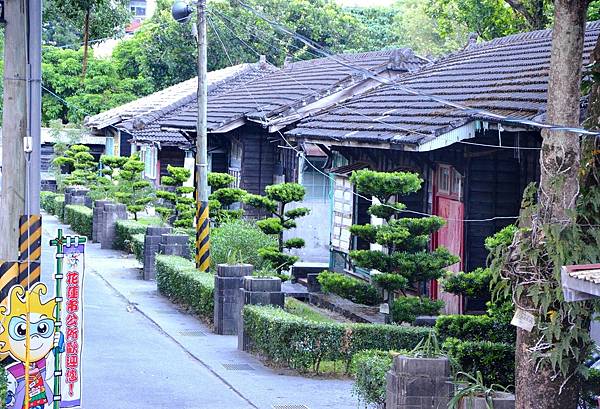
43, 340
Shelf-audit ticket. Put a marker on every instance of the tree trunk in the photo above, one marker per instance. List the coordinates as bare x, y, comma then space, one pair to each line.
86, 41
559, 188
535, 15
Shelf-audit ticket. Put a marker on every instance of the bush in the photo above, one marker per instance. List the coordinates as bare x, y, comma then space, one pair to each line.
80, 219
241, 238
137, 246
302, 344
58, 208
407, 309
495, 360
178, 279
369, 369
473, 284
353, 289
475, 328
47, 201
125, 230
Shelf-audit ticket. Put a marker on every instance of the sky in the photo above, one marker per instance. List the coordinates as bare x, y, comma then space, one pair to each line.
365, 3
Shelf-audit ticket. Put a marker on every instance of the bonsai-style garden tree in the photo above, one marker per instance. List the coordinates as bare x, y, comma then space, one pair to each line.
132, 189
275, 200
106, 185
179, 198
222, 197
405, 259
81, 163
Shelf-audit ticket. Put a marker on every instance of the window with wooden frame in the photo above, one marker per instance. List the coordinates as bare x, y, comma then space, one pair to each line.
444, 181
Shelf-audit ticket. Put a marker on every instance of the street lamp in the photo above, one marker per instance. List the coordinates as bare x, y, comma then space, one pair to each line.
182, 12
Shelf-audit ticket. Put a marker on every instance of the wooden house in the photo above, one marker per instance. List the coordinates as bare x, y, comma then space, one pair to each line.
134, 127
447, 122
250, 121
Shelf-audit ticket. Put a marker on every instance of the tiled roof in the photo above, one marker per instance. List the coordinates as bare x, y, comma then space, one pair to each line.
293, 85
149, 130
145, 108
507, 76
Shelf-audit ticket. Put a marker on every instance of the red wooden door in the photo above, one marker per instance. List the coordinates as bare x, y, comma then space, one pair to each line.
451, 237
447, 204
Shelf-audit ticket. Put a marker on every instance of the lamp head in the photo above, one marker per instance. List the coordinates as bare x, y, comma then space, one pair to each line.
181, 11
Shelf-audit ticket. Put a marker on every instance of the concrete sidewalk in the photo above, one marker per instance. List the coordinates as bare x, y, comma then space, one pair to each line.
253, 384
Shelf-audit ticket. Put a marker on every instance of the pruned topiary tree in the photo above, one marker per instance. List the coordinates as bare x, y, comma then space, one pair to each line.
223, 197
275, 200
80, 161
405, 259
132, 189
107, 185
180, 200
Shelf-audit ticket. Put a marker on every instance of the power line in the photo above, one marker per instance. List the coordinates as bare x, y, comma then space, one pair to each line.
396, 85
303, 155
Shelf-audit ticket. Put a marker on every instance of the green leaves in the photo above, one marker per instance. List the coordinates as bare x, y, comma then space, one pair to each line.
406, 309
261, 202
219, 180
384, 185
390, 282
353, 289
297, 212
473, 284
285, 192
271, 225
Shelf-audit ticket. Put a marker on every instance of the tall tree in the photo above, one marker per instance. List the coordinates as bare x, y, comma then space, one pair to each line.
93, 17
550, 356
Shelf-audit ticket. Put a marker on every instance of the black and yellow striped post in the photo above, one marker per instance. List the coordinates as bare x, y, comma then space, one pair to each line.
202, 236
17, 272
30, 238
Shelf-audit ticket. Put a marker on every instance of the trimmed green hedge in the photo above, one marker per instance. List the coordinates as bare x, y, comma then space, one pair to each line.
289, 340
369, 369
475, 328
178, 279
137, 246
58, 208
495, 360
47, 201
350, 288
124, 231
80, 218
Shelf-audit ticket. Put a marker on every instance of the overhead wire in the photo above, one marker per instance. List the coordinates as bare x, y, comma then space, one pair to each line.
399, 86
329, 176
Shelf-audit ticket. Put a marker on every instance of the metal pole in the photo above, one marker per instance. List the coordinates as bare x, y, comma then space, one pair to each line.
35, 101
14, 127
202, 220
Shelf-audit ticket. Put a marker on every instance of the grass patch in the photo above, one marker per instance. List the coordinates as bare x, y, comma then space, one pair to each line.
303, 310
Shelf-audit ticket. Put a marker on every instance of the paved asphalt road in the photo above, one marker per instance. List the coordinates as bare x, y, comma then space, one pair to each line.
128, 363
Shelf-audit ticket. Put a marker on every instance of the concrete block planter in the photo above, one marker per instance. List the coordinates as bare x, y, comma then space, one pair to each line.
418, 383
501, 400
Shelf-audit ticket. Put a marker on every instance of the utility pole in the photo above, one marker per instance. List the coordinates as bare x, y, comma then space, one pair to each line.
181, 12
14, 126
202, 219
35, 103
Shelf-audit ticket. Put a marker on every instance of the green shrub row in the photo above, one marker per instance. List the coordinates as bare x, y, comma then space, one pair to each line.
80, 218
475, 328
178, 279
350, 288
495, 360
59, 207
137, 246
369, 369
124, 231
53, 203
47, 200
302, 344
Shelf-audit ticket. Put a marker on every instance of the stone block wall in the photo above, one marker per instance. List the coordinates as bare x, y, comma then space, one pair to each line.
76, 196
228, 281
111, 212
97, 219
175, 245
152, 241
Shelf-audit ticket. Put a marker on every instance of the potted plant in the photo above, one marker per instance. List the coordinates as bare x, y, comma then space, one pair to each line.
426, 369
473, 393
